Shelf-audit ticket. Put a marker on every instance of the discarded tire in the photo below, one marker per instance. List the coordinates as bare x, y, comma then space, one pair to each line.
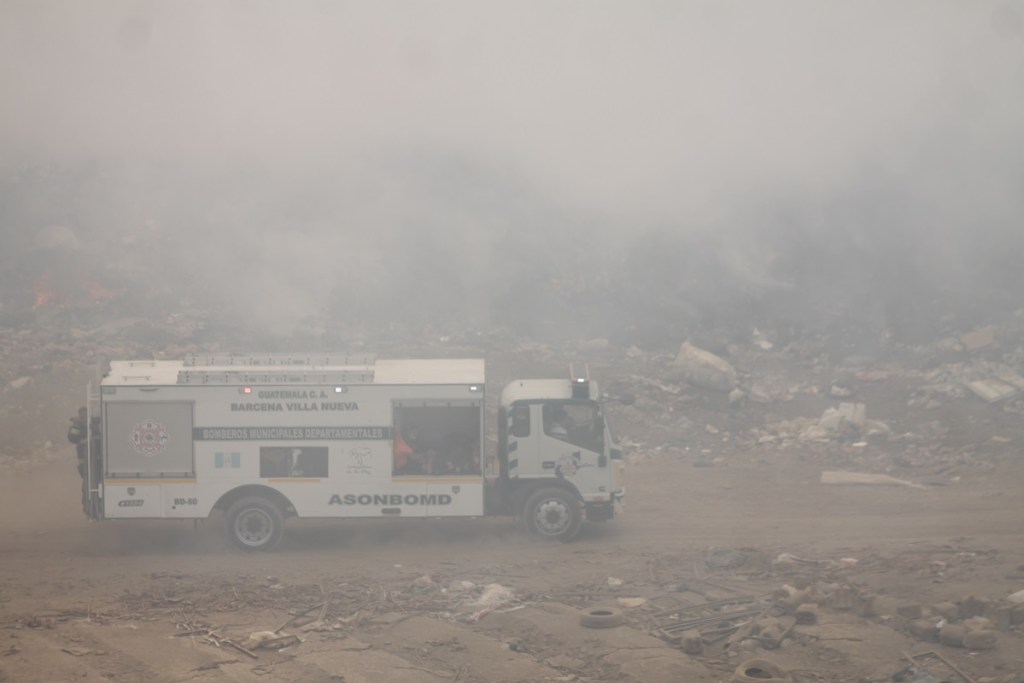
759, 671
601, 618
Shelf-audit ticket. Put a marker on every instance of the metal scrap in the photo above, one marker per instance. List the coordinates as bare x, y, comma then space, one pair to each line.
913, 659
715, 617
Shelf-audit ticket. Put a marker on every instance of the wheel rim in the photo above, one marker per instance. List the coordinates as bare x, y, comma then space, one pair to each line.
253, 527
552, 517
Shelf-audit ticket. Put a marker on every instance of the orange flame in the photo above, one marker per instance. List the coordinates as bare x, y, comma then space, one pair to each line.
44, 293
98, 293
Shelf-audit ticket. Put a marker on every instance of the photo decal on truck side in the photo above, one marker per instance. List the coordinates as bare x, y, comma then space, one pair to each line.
293, 461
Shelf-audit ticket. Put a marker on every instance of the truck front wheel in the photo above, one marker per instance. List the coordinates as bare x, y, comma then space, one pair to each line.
254, 523
553, 513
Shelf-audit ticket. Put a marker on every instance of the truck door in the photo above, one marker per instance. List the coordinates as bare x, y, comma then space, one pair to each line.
573, 444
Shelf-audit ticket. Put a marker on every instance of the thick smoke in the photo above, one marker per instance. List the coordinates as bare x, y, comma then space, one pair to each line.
637, 170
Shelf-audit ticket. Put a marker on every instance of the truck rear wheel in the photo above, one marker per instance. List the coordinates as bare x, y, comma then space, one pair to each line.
553, 513
255, 523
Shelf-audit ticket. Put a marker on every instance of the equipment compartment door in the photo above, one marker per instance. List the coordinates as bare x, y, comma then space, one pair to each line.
148, 439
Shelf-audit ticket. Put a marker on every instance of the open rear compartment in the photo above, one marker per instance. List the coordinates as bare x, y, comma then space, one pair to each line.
438, 438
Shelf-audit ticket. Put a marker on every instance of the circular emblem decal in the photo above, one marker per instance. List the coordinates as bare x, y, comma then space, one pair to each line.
149, 437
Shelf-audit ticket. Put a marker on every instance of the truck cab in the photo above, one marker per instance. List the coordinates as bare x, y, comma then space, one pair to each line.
558, 461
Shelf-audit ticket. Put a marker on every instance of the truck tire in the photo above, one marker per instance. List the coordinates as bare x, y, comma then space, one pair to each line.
553, 513
254, 523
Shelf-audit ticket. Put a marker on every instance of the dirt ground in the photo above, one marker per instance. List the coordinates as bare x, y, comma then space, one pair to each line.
134, 601
725, 505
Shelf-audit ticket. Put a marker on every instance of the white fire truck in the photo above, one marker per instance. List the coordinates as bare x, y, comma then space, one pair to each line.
263, 438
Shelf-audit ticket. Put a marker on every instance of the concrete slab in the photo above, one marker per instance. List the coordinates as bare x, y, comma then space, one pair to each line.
992, 390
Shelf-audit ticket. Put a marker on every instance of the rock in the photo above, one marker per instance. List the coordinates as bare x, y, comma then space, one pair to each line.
978, 624
1016, 598
910, 611
952, 635
691, 642
1001, 616
737, 396
924, 629
981, 639
972, 606
19, 383
704, 369
948, 611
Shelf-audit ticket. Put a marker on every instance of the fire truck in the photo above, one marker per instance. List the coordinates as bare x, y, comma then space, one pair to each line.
266, 437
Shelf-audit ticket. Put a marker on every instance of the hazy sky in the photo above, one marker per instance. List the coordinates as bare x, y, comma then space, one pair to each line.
692, 115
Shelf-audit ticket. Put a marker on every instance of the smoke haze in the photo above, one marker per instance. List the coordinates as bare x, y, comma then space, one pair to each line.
646, 166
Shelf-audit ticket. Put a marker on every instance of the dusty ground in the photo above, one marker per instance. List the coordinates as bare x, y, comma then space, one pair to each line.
92, 602
718, 494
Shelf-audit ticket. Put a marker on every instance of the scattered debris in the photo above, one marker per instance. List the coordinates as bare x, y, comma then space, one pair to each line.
915, 661
630, 603
715, 617
18, 383
494, 594
270, 640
